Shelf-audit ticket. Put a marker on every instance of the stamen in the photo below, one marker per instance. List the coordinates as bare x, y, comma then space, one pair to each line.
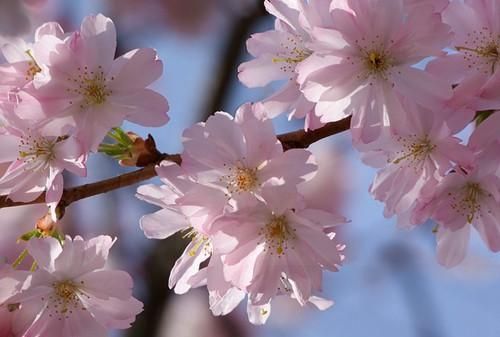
91, 85
467, 201
33, 68
66, 297
199, 239
241, 179
32, 149
277, 234
415, 150
481, 50
294, 53
377, 62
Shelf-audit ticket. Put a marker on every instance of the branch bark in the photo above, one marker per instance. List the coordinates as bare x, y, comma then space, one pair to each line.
291, 140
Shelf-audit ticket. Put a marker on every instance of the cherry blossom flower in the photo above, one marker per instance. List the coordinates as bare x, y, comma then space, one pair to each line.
363, 65
475, 41
281, 247
465, 200
36, 161
71, 294
224, 297
84, 87
241, 155
22, 60
413, 159
187, 207
278, 52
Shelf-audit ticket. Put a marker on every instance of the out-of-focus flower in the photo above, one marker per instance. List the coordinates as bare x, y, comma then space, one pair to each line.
14, 20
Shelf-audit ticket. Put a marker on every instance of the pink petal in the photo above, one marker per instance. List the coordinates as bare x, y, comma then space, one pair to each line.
452, 245
144, 106
162, 224
45, 252
106, 283
99, 41
135, 70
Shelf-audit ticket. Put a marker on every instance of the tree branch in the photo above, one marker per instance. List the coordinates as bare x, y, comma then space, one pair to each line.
299, 139
231, 54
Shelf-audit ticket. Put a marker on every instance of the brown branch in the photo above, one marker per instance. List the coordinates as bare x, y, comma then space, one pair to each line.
301, 139
73, 194
232, 53
291, 140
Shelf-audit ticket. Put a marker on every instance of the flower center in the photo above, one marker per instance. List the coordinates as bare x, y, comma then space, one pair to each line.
91, 85
32, 149
469, 204
277, 234
66, 291
241, 179
481, 50
66, 297
296, 56
377, 62
293, 53
414, 150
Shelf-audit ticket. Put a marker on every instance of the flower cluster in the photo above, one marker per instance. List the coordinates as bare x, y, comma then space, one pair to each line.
410, 75
59, 97
237, 197
370, 60
69, 294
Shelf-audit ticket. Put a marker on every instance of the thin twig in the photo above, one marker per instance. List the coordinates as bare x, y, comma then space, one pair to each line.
291, 140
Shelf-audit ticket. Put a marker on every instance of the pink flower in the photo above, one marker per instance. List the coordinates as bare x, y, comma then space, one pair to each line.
278, 52
224, 297
475, 38
71, 294
241, 155
36, 161
363, 65
413, 160
22, 58
85, 88
281, 247
463, 200
186, 207
232, 170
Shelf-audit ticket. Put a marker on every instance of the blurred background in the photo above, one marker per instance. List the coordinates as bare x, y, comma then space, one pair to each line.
391, 284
